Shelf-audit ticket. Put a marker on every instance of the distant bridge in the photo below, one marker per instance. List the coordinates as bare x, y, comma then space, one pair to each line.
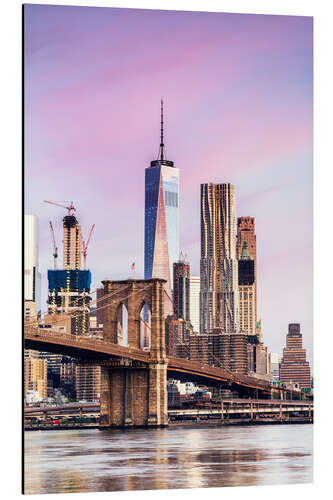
225, 411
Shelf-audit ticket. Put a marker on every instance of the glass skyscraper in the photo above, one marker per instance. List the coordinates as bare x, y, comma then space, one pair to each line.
161, 217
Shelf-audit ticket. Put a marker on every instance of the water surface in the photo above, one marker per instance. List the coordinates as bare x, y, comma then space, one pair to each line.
179, 457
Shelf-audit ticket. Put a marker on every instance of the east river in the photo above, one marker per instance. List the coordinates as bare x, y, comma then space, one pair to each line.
90, 460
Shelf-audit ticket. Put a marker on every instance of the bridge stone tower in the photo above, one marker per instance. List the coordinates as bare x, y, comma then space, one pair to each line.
135, 393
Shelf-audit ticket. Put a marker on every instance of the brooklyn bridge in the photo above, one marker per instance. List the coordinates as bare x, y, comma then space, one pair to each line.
134, 379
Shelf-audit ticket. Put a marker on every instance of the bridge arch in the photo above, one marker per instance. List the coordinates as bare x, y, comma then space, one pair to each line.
144, 300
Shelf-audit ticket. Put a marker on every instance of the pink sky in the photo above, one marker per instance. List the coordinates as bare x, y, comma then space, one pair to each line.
238, 108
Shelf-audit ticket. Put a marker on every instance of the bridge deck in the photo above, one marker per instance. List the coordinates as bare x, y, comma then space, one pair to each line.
95, 349
79, 345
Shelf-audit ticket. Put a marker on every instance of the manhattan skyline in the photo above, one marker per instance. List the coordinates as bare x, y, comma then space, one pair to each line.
237, 91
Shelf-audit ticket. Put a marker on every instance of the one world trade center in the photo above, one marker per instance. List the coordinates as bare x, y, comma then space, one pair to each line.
161, 219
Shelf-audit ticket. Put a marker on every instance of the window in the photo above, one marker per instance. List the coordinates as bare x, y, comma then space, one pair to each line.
171, 199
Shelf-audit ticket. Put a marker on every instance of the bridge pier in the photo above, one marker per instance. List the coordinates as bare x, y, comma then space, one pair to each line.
135, 395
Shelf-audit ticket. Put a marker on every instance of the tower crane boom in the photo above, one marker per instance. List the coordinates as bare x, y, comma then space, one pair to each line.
85, 246
55, 248
71, 209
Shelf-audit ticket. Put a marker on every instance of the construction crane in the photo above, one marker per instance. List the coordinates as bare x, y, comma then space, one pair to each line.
55, 248
85, 247
71, 209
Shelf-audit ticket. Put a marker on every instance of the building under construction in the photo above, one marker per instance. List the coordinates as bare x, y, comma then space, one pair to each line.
69, 288
69, 293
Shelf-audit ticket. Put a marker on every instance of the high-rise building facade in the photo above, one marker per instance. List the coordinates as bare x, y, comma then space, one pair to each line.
30, 313
219, 295
67, 382
161, 218
177, 333
32, 276
294, 367
275, 366
181, 290
246, 286
195, 303
35, 376
246, 232
88, 382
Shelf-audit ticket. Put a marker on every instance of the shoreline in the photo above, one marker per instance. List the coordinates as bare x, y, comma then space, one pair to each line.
176, 424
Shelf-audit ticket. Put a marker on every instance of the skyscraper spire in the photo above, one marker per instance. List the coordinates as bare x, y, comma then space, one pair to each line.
161, 154
161, 157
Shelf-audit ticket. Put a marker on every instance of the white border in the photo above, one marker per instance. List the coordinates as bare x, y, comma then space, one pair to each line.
10, 33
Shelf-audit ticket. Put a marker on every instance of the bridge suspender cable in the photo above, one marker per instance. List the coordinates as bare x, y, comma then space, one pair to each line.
77, 312
98, 300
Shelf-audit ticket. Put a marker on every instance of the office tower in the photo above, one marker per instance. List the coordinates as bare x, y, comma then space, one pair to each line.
246, 286
29, 313
53, 366
69, 288
226, 350
181, 290
259, 330
32, 277
262, 360
174, 400
246, 232
35, 376
195, 303
161, 219
177, 332
294, 367
88, 382
219, 296
258, 356
68, 377
275, 366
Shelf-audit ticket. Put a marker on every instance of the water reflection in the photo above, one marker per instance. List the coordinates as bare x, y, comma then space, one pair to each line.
182, 457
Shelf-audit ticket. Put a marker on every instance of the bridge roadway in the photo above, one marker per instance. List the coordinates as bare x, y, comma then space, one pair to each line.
100, 350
